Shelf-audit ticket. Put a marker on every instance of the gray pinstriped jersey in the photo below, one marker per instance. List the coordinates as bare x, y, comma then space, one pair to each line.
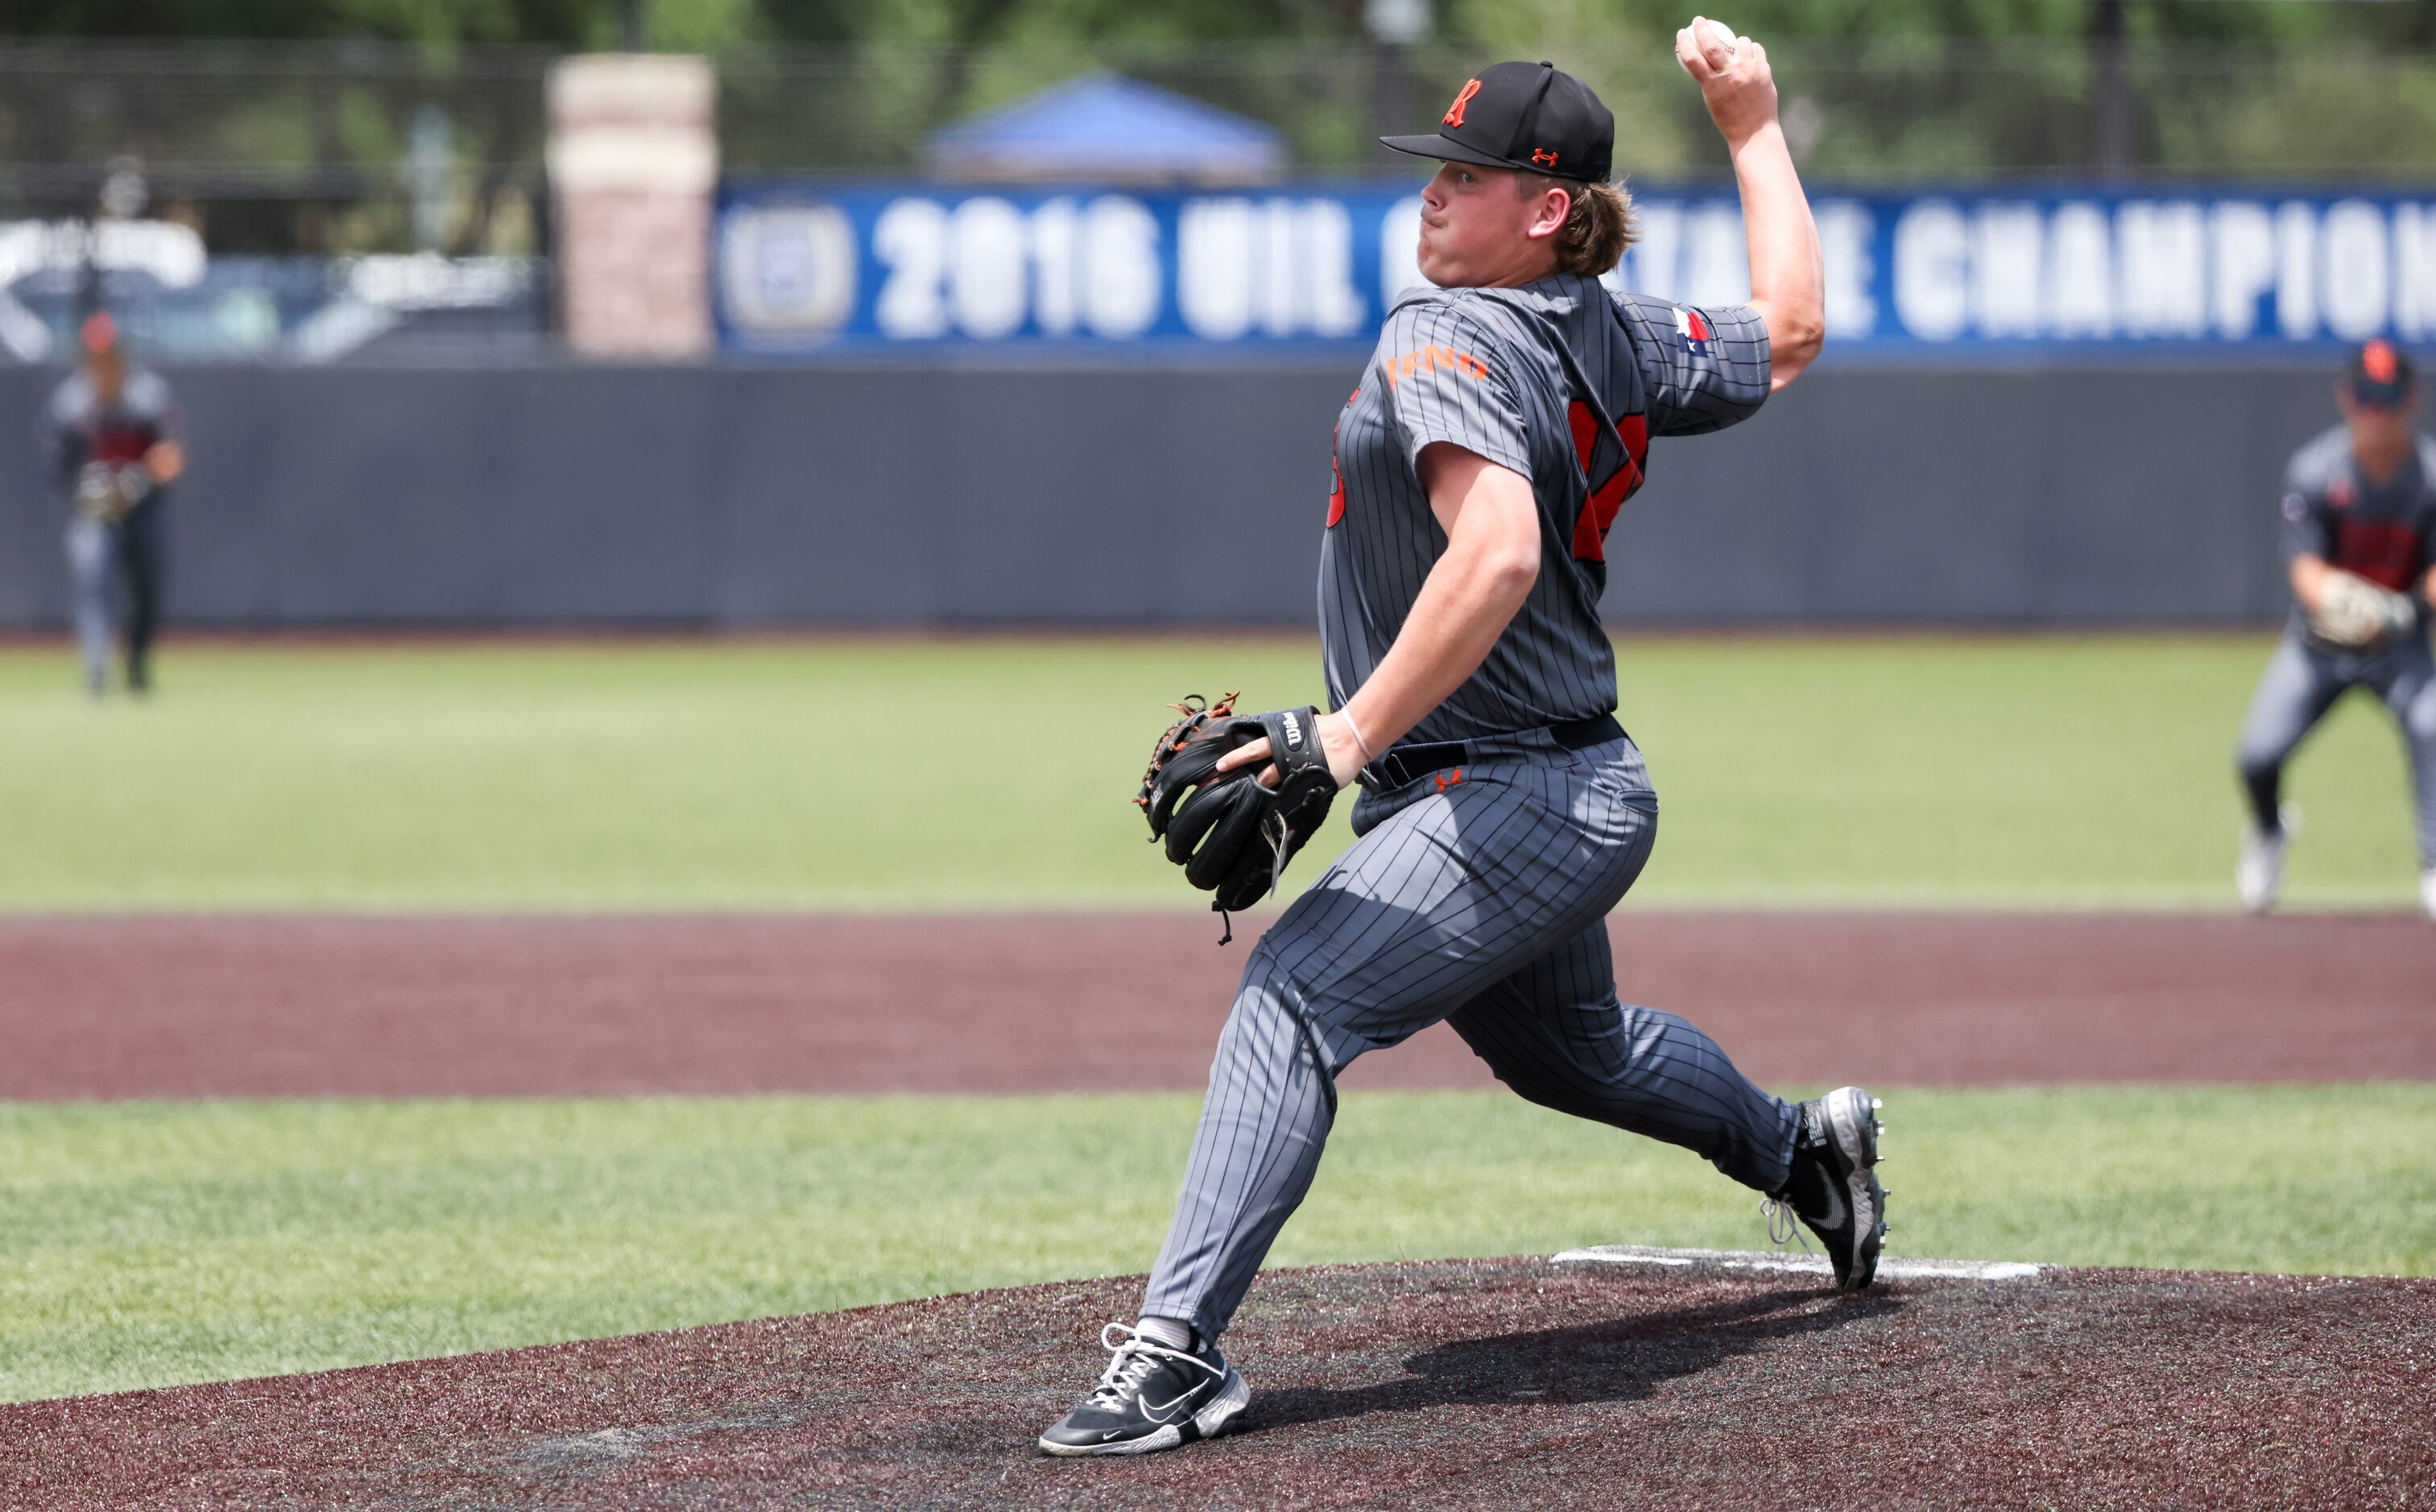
1562, 382
2385, 533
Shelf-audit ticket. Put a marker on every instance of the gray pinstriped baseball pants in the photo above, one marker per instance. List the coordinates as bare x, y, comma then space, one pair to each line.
2300, 687
1483, 902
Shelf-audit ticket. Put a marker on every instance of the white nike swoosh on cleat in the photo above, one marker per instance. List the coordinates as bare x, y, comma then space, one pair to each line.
1163, 1412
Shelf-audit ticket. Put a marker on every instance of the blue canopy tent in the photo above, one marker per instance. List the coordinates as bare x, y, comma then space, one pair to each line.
1107, 128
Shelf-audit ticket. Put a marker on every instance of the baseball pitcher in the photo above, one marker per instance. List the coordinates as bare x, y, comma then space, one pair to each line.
1504, 420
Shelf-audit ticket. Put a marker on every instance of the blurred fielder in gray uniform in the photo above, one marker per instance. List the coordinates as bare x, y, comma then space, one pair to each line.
2360, 523
110, 435
1504, 419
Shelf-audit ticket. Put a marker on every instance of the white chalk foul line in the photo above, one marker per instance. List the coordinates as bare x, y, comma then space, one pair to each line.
1892, 1267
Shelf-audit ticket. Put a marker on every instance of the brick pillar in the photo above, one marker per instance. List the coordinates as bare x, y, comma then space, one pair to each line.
633, 161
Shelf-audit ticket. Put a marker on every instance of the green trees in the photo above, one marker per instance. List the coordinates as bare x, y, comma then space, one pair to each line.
565, 23
711, 25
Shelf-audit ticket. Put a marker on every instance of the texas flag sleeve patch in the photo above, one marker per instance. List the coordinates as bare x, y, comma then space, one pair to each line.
1694, 329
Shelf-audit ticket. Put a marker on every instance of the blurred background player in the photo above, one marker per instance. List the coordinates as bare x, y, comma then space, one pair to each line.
2360, 515
111, 433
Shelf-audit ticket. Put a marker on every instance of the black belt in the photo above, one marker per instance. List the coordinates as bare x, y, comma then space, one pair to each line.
1411, 763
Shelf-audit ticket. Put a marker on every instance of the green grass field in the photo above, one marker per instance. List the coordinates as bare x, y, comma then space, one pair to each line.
147, 1244
996, 773
150, 1243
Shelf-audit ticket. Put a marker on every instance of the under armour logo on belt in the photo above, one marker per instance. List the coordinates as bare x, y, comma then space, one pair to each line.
1448, 780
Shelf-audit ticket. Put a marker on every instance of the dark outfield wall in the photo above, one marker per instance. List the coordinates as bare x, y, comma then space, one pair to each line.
908, 497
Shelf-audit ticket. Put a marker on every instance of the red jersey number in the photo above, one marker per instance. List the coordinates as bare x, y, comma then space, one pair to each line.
2383, 551
1336, 474
1599, 511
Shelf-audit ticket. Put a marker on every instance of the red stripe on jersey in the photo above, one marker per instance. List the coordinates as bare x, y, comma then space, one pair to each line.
1600, 510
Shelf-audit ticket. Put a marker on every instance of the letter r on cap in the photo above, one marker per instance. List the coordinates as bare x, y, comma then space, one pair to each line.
1455, 112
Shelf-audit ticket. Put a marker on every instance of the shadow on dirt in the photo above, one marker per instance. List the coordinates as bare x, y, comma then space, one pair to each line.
1609, 1361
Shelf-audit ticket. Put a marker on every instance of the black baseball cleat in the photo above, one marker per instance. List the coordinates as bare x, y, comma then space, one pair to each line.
1833, 1187
1151, 1398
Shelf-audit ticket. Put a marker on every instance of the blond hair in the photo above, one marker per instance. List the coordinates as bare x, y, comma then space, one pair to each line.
1597, 229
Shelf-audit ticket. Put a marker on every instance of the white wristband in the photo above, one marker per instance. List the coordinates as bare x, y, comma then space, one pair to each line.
1367, 754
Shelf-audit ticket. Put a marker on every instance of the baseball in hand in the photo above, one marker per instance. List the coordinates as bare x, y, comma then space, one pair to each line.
1715, 40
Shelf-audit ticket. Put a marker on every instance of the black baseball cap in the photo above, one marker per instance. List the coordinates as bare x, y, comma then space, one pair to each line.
2378, 375
1532, 116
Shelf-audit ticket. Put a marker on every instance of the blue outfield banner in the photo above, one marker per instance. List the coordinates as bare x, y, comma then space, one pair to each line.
2232, 273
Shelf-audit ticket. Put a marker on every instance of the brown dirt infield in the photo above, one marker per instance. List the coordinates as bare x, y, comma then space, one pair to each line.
1433, 1384
304, 1006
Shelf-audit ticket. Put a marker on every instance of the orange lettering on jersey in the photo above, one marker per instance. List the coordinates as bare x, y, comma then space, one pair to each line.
1455, 112
1430, 359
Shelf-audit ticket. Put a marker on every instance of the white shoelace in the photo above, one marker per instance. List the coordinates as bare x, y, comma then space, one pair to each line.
1133, 1359
1783, 1224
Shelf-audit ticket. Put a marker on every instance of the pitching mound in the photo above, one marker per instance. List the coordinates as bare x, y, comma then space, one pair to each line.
1653, 1379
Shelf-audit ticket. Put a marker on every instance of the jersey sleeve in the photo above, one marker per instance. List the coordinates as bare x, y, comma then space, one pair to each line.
1449, 379
2308, 522
1704, 369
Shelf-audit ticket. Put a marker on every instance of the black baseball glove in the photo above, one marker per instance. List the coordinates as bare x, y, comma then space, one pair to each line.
1232, 836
